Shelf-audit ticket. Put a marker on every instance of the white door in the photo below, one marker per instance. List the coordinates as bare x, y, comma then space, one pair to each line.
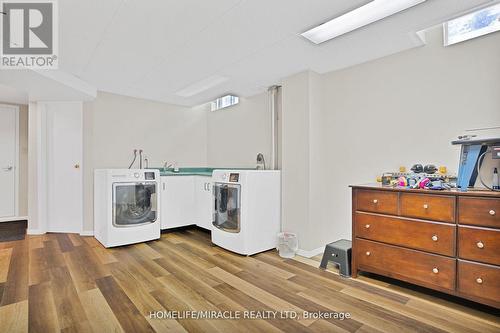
8, 160
64, 159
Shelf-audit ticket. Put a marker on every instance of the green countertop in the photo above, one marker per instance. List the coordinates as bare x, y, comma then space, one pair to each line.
207, 172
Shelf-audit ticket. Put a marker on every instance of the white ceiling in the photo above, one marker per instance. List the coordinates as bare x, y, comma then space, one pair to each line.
23, 86
155, 48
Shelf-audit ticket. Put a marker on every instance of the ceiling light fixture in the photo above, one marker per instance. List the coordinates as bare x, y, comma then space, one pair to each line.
357, 18
200, 86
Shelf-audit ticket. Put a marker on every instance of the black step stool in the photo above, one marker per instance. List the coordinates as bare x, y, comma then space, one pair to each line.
338, 252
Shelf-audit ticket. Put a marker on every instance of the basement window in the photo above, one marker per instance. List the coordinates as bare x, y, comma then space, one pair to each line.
479, 23
224, 102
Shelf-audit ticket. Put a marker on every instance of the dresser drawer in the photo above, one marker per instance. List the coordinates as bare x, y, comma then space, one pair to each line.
479, 280
404, 264
479, 211
377, 201
479, 244
429, 207
427, 236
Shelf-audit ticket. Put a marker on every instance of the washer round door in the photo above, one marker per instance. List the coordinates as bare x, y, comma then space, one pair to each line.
134, 203
227, 207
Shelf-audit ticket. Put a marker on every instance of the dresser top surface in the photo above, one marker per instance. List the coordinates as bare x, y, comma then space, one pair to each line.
470, 192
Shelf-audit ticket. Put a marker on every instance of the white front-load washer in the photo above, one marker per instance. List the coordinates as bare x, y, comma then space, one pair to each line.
126, 206
247, 210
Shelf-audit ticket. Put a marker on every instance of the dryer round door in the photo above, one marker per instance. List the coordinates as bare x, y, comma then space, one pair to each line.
134, 203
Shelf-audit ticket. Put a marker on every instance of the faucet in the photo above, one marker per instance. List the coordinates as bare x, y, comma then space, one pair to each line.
167, 165
261, 162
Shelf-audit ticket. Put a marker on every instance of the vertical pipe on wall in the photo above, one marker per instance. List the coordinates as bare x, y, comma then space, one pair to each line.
37, 171
273, 95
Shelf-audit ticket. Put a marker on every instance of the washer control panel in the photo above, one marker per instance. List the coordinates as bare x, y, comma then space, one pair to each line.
226, 176
234, 177
149, 175
136, 175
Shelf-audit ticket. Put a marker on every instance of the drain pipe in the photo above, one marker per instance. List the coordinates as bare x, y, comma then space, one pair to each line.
273, 96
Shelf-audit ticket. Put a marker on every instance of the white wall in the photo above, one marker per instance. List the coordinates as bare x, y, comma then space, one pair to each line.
114, 125
398, 110
303, 159
318, 168
295, 155
236, 135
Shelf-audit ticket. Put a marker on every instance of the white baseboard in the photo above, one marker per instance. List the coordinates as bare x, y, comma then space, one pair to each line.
13, 218
40, 232
35, 232
311, 253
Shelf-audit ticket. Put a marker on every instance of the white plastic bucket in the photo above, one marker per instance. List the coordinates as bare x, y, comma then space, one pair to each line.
287, 244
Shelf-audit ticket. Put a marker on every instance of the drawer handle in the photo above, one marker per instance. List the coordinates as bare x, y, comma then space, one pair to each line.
435, 270
426, 206
368, 253
492, 212
480, 245
375, 201
479, 280
367, 226
434, 238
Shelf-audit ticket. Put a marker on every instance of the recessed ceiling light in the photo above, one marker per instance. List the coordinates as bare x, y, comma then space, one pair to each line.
357, 18
200, 86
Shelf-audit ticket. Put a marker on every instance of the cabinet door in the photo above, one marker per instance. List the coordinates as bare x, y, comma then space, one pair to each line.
177, 201
204, 202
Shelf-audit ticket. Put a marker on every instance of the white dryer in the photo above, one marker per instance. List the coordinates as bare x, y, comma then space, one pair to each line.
247, 210
126, 206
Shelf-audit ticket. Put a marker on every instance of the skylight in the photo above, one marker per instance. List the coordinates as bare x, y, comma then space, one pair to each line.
224, 102
479, 23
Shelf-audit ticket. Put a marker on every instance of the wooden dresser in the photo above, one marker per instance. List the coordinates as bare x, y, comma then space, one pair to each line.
444, 240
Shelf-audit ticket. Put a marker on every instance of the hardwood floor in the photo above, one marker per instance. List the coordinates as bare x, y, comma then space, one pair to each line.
68, 283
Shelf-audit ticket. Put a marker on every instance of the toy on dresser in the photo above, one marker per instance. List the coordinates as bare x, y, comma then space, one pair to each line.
420, 177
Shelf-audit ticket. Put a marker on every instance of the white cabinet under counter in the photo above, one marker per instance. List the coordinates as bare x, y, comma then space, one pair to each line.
186, 200
177, 201
204, 202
